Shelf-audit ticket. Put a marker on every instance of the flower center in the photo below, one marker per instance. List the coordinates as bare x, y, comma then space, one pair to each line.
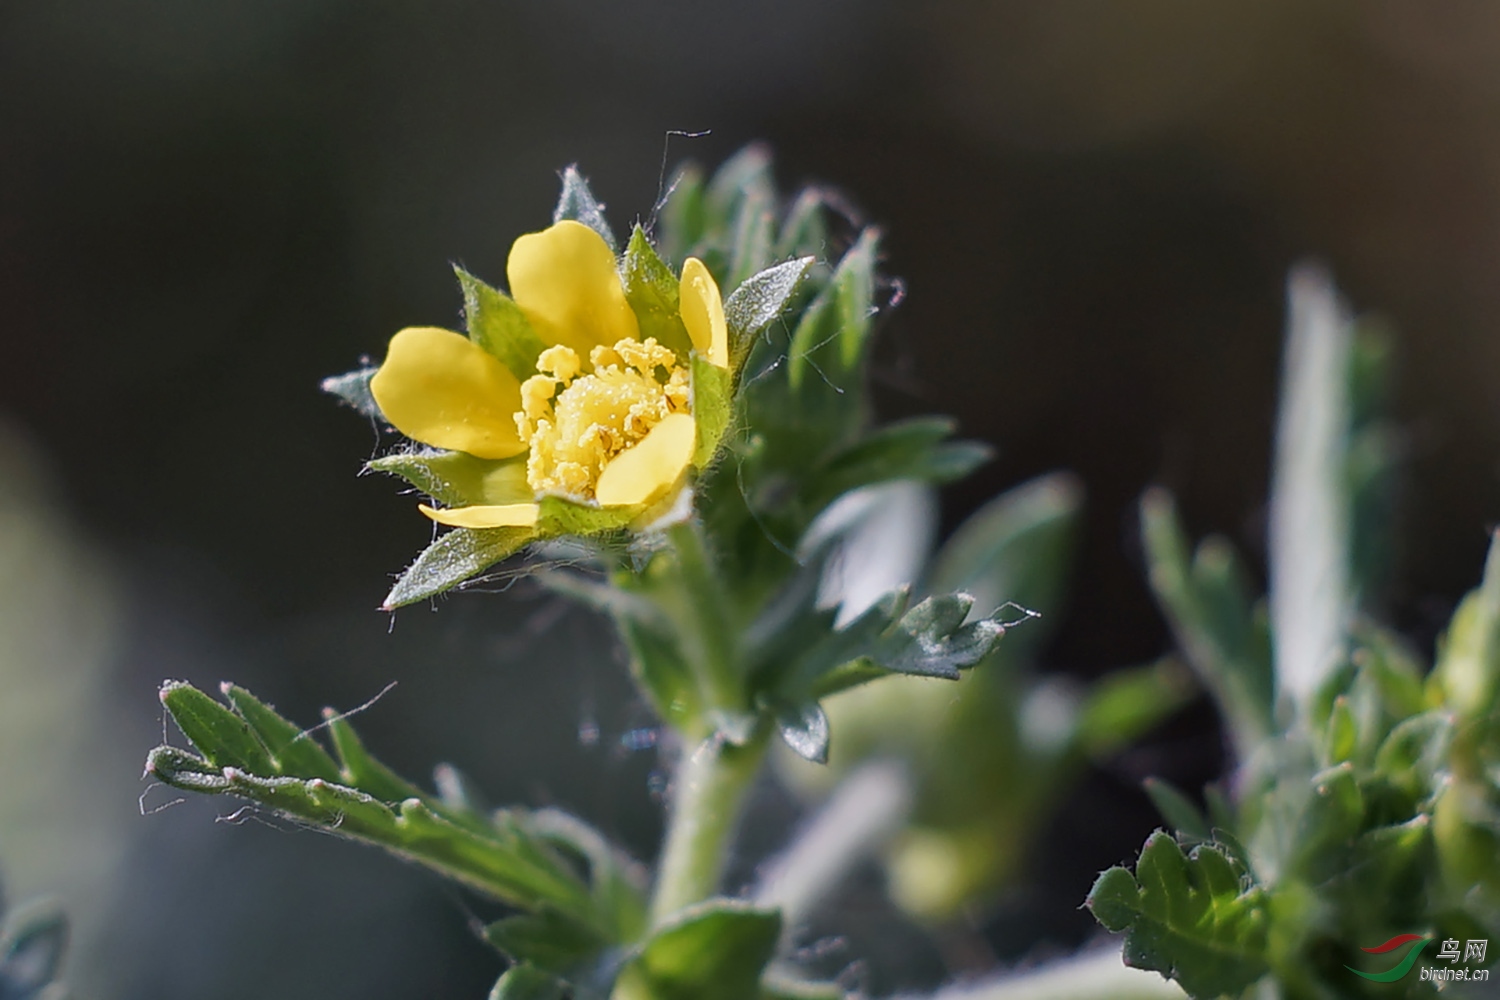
577, 423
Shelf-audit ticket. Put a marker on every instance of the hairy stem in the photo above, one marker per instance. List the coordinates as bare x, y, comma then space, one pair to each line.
714, 657
709, 794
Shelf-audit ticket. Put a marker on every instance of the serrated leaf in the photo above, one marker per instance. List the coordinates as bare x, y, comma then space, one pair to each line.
717, 949
578, 203
456, 556
804, 727
223, 738
498, 325
526, 982
713, 388
456, 479
293, 750
354, 388
1188, 917
652, 291
931, 640
759, 299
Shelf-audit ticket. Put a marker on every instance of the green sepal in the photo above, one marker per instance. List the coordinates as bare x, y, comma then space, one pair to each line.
578, 203
561, 516
1189, 917
222, 737
716, 949
527, 982
803, 230
457, 479
498, 325
804, 728
745, 176
547, 939
759, 299
834, 330
713, 388
682, 215
754, 236
354, 388
457, 556
652, 291
293, 750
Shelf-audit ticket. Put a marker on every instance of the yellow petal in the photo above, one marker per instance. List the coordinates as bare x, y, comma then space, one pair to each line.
565, 281
511, 515
702, 312
440, 388
644, 472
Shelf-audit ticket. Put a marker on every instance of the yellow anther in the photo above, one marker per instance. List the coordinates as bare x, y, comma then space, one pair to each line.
576, 424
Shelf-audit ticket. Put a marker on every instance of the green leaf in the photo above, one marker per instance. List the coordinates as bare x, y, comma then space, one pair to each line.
717, 949
1208, 606
354, 389
931, 640
803, 231
1177, 809
906, 449
1467, 674
754, 235
760, 299
526, 982
222, 737
618, 882
745, 176
455, 557
577, 202
293, 750
833, 332
1125, 704
713, 388
498, 325
804, 727
1413, 755
551, 941
456, 479
682, 215
504, 857
1188, 917
652, 291
1016, 548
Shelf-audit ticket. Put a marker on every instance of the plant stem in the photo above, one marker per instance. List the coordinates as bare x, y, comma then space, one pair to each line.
714, 659
709, 793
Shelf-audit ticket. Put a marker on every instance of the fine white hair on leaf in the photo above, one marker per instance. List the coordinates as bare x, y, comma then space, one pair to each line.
1309, 516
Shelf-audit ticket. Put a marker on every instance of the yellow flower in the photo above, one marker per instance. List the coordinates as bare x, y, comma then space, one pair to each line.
607, 419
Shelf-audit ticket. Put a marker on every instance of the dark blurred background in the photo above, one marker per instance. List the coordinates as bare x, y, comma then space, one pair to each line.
205, 208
